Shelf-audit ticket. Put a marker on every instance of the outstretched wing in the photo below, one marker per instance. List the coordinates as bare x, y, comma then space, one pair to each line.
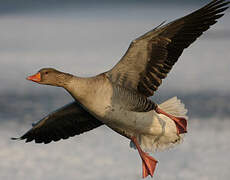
66, 122
151, 57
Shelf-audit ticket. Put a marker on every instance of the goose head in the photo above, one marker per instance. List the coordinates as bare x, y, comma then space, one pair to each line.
50, 76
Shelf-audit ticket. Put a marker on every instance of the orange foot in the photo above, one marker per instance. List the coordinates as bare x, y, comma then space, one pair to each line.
148, 165
148, 162
181, 123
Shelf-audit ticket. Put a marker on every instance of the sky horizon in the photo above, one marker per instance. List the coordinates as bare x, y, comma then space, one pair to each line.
28, 6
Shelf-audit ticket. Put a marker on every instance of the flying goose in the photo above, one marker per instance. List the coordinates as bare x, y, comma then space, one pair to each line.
119, 98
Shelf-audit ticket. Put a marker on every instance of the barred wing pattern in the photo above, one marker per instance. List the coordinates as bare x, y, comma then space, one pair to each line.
150, 57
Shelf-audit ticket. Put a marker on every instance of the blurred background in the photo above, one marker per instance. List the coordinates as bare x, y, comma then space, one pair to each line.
86, 38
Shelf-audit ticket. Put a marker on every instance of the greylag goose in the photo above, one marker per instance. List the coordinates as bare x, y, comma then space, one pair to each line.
119, 98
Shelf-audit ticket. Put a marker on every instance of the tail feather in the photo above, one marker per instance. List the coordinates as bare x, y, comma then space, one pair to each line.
175, 107
169, 136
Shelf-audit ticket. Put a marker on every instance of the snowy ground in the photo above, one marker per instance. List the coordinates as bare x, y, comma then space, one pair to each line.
103, 154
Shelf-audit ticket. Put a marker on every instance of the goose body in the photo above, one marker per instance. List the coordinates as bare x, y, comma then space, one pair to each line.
124, 111
119, 98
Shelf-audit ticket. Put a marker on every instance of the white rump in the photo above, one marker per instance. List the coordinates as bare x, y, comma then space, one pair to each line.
168, 136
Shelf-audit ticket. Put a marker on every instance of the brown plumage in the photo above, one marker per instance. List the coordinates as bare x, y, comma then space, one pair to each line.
119, 98
151, 57
147, 61
63, 123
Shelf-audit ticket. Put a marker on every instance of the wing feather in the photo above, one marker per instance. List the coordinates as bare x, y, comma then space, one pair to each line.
151, 57
66, 122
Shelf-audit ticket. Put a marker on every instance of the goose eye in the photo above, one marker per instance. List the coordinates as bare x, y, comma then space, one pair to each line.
46, 72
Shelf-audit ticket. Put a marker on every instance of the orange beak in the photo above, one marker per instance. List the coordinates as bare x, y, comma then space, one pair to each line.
35, 77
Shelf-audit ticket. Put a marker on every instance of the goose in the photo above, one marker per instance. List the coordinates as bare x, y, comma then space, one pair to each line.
119, 98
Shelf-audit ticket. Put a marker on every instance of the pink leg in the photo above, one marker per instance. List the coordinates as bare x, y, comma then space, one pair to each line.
148, 162
181, 123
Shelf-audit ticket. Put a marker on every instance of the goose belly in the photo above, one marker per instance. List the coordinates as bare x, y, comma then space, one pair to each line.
129, 123
153, 131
